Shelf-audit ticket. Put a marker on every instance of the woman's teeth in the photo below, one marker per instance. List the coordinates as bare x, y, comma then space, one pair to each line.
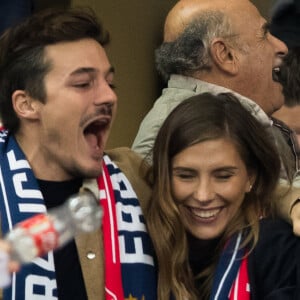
205, 214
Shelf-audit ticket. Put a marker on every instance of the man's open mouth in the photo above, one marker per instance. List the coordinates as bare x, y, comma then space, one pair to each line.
94, 131
276, 74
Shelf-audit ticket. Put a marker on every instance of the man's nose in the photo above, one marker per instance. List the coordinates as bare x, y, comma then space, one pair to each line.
281, 48
104, 94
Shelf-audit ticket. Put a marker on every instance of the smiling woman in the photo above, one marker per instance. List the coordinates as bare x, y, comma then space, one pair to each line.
215, 168
209, 186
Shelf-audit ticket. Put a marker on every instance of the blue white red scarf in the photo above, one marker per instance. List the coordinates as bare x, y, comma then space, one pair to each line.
231, 278
129, 263
20, 198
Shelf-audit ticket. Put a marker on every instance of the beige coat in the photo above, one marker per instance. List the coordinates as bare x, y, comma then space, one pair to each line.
91, 245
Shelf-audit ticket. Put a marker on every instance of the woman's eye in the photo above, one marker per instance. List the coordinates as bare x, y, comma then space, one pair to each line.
224, 176
184, 176
82, 85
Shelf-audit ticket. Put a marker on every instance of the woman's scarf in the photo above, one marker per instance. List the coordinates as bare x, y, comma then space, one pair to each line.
231, 278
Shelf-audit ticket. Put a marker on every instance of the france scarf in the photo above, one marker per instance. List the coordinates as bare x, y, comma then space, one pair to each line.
20, 199
129, 262
130, 271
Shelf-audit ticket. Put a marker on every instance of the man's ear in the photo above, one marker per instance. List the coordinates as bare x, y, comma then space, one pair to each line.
24, 106
224, 56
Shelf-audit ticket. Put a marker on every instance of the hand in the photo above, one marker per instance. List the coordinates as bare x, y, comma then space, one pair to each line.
295, 216
7, 265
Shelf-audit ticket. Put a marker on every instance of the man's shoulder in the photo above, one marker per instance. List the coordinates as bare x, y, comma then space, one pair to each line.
124, 157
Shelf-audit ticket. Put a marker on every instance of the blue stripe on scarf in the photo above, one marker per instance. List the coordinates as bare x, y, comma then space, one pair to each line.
227, 269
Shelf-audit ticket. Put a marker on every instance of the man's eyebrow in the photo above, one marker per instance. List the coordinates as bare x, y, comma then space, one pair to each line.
266, 27
89, 70
83, 70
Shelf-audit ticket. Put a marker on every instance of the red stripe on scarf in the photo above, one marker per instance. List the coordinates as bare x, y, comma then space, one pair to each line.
240, 289
113, 277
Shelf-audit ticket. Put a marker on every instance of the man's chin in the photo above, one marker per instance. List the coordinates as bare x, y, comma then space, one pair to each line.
278, 104
93, 173
278, 98
90, 171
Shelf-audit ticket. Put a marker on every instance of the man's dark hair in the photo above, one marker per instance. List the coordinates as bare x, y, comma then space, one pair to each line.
22, 62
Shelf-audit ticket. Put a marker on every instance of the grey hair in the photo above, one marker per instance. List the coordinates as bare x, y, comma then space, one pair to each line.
190, 51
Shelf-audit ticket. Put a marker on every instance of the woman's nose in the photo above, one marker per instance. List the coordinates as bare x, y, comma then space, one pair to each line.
204, 191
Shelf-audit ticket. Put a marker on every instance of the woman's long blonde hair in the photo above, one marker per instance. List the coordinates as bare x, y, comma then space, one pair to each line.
200, 118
